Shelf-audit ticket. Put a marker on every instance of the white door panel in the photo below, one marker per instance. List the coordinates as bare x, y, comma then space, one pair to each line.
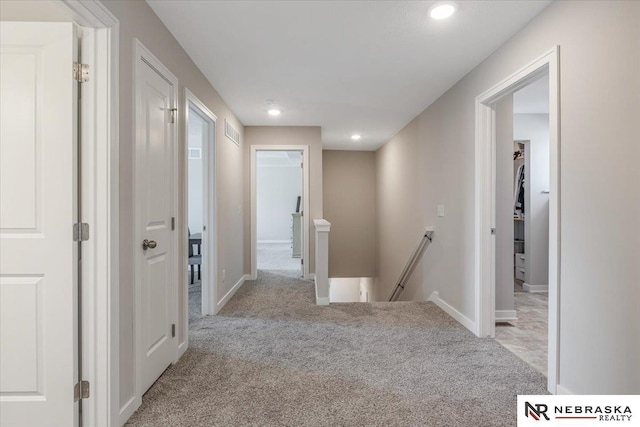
155, 98
38, 200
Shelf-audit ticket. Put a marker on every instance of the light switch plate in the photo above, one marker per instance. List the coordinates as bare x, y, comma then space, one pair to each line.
440, 210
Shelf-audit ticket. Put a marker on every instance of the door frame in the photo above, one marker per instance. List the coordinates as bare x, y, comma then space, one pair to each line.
254, 214
144, 55
485, 179
209, 266
99, 194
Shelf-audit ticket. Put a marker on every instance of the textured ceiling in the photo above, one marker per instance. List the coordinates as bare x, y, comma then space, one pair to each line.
365, 67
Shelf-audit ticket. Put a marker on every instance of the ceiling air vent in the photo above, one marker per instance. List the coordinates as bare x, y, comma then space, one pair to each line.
231, 132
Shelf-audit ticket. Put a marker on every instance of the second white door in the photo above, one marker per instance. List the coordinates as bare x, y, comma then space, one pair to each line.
155, 212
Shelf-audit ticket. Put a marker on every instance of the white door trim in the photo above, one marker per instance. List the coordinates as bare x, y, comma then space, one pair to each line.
144, 55
485, 201
100, 206
254, 215
210, 241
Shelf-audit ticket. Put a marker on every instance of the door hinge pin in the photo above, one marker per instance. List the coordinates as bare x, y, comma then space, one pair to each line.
80, 72
172, 118
173, 330
81, 390
173, 223
80, 232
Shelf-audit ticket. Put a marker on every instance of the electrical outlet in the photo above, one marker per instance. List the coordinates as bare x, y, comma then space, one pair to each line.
440, 210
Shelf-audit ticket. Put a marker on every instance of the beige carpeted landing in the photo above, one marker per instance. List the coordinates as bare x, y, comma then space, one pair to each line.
273, 358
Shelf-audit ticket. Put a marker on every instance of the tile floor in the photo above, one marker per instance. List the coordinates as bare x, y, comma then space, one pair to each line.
527, 336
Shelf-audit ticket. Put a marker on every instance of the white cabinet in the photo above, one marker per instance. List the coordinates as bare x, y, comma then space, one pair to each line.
519, 265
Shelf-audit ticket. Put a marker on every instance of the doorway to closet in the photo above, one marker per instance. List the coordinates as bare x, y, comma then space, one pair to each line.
522, 223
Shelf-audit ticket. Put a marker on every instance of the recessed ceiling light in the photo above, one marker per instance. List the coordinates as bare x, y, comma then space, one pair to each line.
442, 10
356, 137
274, 112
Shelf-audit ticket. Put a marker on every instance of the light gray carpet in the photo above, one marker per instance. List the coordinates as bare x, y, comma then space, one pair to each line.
276, 258
273, 358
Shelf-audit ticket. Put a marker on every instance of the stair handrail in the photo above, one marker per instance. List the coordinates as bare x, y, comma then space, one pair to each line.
427, 236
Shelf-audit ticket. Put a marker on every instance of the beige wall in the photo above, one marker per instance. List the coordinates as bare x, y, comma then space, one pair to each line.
349, 197
284, 135
431, 162
406, 179
137, 20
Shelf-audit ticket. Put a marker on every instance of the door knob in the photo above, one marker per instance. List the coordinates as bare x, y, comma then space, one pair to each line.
146, 244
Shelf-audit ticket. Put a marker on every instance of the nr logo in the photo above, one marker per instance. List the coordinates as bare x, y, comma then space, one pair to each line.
536, 411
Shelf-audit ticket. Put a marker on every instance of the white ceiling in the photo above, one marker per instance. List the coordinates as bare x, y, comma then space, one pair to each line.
365, 67
533, 99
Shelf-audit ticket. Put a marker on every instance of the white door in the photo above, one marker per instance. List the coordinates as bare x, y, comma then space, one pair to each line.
155, 207
38, 200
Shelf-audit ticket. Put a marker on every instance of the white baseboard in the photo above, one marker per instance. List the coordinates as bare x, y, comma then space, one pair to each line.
323, 300
464, 320
274, 241
506, 315
129, 408
535, 288
225, 299
560, 390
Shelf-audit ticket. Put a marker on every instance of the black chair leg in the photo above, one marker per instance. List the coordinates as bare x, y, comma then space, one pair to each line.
199, 278
191, 271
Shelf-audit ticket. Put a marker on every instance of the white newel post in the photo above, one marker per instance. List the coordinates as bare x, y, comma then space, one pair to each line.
322, 261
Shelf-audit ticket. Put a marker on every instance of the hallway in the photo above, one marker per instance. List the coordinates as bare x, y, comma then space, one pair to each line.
272, 357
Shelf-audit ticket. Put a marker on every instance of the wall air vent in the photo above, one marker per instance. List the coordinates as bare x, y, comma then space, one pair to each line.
231, 132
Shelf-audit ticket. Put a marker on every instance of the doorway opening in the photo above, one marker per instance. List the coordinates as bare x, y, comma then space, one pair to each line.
279, 212
522, 216
486, 212
200, 289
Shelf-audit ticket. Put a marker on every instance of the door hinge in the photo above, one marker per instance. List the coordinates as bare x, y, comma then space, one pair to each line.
80, 72
173, 223
493, 231
80, 232
172, 117
302, 261
81, 390
173, 330
301, 213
